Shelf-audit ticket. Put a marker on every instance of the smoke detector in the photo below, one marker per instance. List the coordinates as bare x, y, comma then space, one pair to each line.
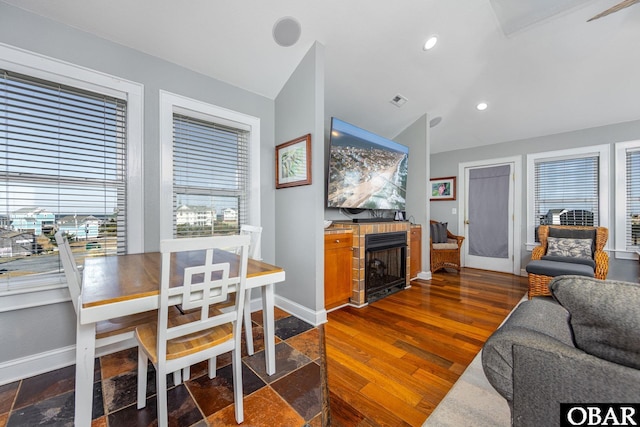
398, 100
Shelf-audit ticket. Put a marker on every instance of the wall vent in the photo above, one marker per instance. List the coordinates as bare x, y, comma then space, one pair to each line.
398, 100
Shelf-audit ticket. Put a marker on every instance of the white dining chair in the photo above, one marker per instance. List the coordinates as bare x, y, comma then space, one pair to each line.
203, 332
255, 233
111, 335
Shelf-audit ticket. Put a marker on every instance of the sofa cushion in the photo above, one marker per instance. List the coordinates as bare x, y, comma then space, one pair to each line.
604, 316
555, 268
566, 247
439, 232
585, 261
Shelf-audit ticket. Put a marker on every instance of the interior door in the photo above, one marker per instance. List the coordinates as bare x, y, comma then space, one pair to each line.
489, 217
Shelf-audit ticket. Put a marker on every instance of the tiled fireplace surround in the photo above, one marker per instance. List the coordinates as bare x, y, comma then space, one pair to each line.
360, 230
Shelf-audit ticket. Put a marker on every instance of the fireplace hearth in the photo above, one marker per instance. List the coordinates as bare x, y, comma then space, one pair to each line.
385, 264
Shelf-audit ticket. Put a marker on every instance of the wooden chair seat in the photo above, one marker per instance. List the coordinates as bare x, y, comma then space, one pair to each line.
128, 324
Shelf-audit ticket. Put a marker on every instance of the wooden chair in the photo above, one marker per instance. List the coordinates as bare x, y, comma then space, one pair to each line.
445, 255
111, 335
539, 283
255, 234
203, 333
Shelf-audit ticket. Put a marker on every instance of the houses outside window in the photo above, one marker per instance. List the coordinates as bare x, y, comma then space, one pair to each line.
627, 236
567, 187
68, 139
211, 178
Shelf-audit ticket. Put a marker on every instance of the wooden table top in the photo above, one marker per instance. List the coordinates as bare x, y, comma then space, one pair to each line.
112, 279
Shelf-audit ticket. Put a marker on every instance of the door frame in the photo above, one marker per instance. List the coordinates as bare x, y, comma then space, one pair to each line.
517, 203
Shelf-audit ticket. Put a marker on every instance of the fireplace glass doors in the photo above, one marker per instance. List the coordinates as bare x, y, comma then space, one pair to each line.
385, 264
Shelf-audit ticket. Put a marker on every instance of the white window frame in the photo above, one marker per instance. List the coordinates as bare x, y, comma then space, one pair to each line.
171, 103
41, 291
621, 199
602, 151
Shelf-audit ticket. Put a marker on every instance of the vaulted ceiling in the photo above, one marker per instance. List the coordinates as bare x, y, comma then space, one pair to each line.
541, 67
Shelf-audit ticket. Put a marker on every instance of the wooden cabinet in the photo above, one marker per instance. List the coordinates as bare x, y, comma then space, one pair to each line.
338, 259
415, 251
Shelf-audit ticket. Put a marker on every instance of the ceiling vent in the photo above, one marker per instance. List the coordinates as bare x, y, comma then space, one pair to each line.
398, 100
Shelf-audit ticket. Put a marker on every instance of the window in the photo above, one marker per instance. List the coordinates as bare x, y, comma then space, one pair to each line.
567, 187
64, 148
627, 198
213, 173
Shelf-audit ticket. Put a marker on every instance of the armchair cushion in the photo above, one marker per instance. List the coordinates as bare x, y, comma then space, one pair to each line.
604, 316
566, 247
554, 268
439, 232
586, 261
451, 244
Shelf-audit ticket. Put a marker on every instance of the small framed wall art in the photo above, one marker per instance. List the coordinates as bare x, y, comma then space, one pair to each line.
443, 188
293, 162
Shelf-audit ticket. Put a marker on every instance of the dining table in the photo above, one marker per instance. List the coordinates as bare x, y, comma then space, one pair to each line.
115, 286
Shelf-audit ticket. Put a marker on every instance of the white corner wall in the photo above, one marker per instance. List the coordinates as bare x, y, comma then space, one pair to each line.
299, 232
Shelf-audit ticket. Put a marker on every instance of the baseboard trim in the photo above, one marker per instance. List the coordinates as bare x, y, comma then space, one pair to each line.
36, 364
425, 275
313, 317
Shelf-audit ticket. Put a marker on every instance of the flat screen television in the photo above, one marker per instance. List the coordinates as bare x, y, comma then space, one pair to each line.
366, 171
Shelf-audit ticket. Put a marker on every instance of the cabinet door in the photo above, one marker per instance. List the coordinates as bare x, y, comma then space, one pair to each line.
415, 255
338, 258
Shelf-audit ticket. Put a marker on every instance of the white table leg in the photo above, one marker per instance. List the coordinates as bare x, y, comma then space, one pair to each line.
268, 307
85, 355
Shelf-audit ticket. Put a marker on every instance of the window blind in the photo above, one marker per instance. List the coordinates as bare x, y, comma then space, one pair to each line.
633, 199
62, 164
566, 191
210, 177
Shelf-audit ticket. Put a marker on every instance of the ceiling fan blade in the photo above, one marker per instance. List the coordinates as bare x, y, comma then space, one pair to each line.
619, 6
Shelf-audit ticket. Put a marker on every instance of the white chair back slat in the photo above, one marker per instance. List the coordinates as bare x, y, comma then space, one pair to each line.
71, 272
256, 236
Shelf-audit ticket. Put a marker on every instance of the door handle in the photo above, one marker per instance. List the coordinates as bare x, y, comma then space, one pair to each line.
466, 221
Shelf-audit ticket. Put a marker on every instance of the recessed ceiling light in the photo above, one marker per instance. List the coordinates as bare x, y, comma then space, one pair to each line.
482, 106
430, 43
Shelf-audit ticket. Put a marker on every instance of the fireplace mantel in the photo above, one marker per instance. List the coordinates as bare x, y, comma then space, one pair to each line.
360, 230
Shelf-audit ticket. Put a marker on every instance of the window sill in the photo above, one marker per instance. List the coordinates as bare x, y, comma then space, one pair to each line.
19, 299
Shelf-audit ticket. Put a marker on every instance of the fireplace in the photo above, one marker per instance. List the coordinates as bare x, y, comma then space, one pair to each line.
385, 264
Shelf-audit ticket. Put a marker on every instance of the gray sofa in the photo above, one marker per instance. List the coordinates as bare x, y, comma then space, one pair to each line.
581, 346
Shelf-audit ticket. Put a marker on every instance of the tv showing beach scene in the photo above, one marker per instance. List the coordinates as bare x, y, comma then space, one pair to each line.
366, 171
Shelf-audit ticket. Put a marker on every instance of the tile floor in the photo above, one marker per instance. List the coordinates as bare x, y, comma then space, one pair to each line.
290, 397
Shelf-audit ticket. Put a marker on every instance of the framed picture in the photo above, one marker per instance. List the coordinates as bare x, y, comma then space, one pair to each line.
443, 188
293, 162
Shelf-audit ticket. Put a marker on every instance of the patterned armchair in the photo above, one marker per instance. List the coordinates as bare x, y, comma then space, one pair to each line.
566, 260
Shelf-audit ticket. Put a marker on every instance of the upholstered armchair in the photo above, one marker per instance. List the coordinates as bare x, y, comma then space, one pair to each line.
559, 253
444, 247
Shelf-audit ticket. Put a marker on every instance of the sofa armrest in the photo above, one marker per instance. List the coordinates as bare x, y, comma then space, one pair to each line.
550, 374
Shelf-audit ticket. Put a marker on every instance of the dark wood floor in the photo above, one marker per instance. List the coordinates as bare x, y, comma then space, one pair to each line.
390, 363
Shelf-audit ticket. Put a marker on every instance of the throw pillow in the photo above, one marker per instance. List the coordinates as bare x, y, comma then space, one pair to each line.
565, 247
604, 316
439, 232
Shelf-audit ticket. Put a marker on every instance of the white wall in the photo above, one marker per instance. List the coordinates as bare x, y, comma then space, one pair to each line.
416, 137
299, 210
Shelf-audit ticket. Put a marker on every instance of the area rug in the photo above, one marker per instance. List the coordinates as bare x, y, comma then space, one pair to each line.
472, 401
